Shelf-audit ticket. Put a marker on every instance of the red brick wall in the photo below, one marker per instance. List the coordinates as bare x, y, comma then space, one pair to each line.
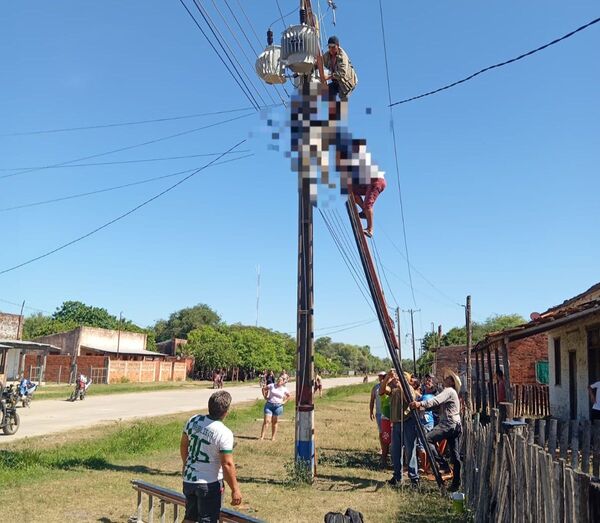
58, 366
523, 355
452, 357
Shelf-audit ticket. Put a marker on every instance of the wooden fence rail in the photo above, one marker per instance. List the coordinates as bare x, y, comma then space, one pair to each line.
531, 400
168, 505
510, 478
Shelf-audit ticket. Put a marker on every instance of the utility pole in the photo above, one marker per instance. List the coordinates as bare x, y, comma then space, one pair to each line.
469, 327
412, 329
399, 336
305, 422
119, 334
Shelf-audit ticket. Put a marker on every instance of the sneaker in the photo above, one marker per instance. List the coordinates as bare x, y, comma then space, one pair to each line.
394, 482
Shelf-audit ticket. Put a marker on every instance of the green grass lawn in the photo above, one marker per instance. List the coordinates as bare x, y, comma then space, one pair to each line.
85, 475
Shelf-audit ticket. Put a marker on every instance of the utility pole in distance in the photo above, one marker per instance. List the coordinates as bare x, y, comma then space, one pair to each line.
412, 330
469, 326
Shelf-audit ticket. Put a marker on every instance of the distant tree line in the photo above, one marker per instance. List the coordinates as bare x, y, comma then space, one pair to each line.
213, 343
458, 336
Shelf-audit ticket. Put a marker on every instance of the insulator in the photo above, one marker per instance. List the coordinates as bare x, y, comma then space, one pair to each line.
300, 48
269, 37
269, 66
302, 16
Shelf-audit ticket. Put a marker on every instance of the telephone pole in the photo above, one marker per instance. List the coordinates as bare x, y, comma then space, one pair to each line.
412, 330
399, 337
469, 327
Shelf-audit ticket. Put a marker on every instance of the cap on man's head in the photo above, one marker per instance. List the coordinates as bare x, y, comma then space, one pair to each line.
333, 40
382, 373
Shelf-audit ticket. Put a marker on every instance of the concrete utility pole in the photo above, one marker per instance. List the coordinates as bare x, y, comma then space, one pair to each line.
257, 291
305, 430
412, 330
469, 327
119, 334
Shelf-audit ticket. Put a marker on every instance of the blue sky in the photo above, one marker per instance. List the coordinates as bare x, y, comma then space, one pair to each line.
499, 175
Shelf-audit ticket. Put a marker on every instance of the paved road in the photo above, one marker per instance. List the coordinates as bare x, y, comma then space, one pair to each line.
52, 416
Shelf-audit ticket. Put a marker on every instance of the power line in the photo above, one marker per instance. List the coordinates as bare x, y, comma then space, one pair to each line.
120, 217
127, 148
346, 261
93, 164
389, 90
229, 55
349, 328
124, 124
114, 188
245, 90
417, 271
501, 64
281, 15
241, 47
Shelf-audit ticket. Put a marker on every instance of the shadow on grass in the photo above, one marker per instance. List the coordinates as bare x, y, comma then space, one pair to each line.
350, 458
261, 481
345, 483
97, 463
237, 436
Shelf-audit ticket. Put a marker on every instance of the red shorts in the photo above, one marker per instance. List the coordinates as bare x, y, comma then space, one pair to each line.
386, 430
370, 191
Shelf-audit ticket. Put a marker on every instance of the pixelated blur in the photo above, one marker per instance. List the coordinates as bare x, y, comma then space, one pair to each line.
318, 127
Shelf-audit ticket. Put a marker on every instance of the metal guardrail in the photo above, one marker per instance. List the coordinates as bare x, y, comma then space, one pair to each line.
170, 501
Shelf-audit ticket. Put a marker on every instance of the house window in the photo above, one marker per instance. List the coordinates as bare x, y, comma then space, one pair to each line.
557, 362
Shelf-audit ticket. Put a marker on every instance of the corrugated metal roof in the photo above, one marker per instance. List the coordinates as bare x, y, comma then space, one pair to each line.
138, 352
27, 345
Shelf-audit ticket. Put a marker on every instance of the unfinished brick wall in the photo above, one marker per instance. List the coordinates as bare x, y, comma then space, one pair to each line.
453, 357
58, 366
11, 326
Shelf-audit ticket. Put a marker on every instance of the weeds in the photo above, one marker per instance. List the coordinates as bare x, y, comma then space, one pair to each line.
298, 474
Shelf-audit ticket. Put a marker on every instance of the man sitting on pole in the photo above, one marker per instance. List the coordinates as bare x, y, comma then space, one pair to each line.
343, 78
449, 427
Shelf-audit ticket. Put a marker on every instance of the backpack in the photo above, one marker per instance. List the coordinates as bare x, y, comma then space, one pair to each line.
351, 516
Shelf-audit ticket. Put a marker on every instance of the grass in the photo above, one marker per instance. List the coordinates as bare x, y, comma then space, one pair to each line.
85, 475
50, 391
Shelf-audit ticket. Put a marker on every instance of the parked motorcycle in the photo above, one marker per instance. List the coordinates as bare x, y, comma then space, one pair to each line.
9, 420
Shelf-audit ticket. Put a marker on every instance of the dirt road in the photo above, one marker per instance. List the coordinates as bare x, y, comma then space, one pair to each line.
51, 416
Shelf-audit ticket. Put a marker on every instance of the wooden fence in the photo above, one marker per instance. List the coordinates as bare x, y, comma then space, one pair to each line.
531, 400
510, 478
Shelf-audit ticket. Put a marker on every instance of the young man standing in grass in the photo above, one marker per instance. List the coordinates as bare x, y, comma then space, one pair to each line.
206, 451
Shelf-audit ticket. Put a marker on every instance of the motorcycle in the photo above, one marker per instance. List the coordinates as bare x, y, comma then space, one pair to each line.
26, 390
80, 390
9, 420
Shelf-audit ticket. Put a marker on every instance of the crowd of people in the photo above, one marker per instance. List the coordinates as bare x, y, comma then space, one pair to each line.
436, 408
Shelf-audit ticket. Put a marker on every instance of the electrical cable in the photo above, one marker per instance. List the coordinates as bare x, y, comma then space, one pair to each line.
501, 64
260, 42
348, 252
282, 18
434, 287
378, 257
356, 278
241, 47
114, 188
246, 92
389, 90
127, 148
95, 164
25, 307
120, 217
348, 328
231, 56
124, 124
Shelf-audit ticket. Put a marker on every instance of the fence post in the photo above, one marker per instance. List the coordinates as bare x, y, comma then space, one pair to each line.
575, 444
596, 449
59, 373
585, 445
552, 425
541, 433
564, 439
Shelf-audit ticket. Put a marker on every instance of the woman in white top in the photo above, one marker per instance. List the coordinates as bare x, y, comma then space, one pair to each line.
277, 396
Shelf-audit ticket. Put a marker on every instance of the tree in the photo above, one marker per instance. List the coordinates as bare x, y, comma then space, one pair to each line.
183, 321
212, 348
